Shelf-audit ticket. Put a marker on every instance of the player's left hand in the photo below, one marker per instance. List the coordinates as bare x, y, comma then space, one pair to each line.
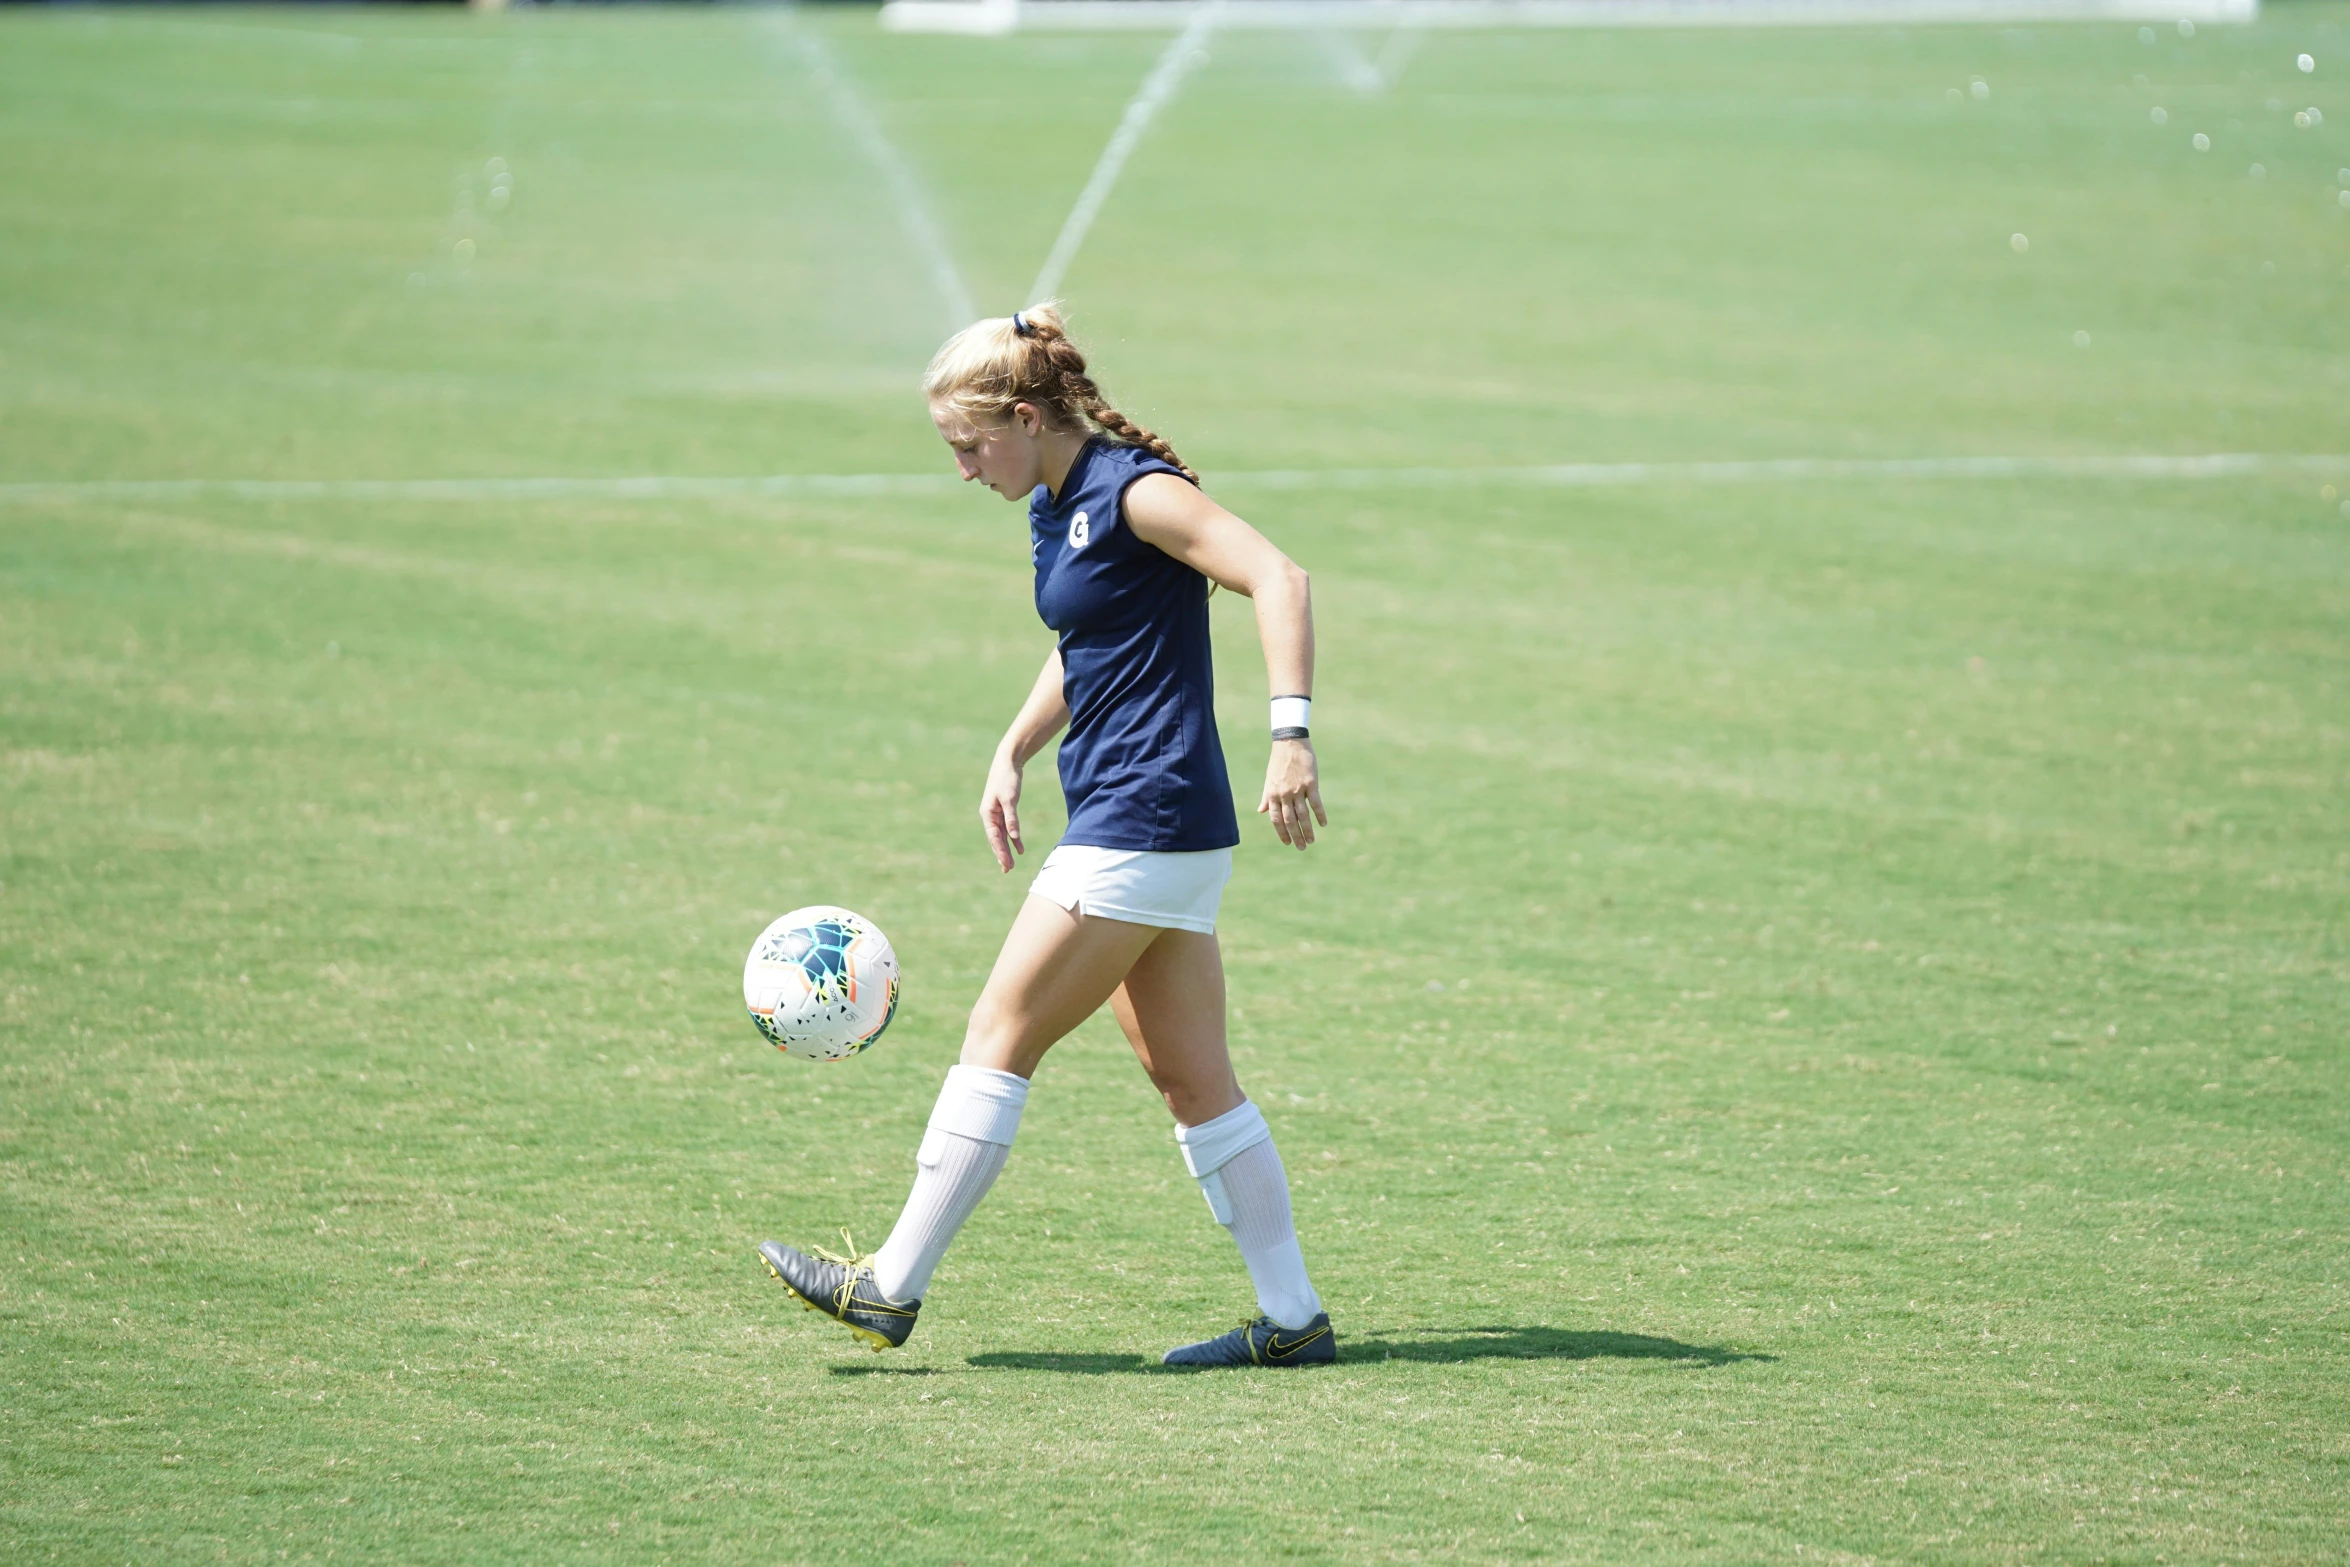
1293, 792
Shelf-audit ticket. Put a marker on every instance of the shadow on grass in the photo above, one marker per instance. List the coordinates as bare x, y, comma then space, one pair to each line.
1072, 1365
1540, 1344
883, 1371
1472, 1344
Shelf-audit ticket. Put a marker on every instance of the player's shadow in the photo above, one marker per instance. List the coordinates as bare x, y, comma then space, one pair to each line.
1540, 1344
1464, 1345
883, 1371
1070, 1365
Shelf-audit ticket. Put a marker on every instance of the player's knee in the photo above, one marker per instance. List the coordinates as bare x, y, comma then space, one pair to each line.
998, 1036
1182, 1102
990, 1023
1194, 1097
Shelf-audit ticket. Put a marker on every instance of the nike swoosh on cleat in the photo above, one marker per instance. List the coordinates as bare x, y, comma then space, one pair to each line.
1276, 1350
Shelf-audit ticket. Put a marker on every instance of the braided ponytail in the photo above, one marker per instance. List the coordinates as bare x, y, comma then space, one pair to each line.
990, 366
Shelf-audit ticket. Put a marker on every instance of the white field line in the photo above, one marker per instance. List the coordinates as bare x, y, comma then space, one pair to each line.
1401, 45
1188, 50
1359, 71
1001, 16
1354, 67
2208, 465
913, 204
2212, 465
646, 487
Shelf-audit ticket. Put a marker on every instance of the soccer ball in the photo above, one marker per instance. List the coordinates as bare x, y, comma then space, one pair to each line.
821, 983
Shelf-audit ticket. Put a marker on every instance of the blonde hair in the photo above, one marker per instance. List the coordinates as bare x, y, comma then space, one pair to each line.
992, 365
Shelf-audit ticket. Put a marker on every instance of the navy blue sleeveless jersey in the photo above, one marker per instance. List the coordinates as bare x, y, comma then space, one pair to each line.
1141, 765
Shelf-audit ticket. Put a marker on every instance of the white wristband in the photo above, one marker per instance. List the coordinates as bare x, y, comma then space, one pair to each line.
1292, 712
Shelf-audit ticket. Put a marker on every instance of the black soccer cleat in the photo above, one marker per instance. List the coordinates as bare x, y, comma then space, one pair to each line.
1262, 1343
842, 1288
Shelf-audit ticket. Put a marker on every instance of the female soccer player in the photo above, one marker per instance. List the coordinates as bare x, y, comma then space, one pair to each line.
1124, 910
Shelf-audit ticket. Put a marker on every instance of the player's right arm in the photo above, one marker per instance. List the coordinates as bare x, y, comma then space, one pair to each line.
1044, 715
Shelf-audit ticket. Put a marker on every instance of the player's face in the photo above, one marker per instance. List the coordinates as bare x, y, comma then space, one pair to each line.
1001, 456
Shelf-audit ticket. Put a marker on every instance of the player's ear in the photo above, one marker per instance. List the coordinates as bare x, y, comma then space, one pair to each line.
1030, 418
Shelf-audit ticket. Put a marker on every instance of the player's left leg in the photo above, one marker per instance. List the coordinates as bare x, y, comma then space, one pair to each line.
1055, 970
1172, 1009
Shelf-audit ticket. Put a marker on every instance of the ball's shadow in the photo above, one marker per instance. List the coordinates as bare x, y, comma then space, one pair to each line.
1497, 1343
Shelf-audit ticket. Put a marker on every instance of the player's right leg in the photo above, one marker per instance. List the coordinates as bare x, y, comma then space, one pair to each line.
1055, 971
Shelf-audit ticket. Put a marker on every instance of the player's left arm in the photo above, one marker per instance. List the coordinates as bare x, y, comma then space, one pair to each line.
1177, 518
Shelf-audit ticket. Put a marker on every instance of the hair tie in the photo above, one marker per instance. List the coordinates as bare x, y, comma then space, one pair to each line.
1019, 324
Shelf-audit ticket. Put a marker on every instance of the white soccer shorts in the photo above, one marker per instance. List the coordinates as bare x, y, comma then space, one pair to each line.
1139, 886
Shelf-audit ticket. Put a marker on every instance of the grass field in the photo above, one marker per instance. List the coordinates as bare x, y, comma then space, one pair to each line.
1817, 1031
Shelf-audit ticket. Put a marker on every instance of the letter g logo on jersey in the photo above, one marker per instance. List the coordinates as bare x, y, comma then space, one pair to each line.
1080, 532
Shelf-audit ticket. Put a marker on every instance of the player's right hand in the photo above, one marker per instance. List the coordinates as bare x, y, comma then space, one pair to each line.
999, 811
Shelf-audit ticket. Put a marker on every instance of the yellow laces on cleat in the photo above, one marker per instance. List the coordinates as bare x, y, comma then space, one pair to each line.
845, 1295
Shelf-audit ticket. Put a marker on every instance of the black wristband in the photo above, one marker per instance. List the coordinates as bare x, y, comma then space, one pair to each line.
1293, 732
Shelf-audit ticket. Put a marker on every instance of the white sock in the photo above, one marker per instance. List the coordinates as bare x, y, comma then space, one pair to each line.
1239, 1172
964, 1150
